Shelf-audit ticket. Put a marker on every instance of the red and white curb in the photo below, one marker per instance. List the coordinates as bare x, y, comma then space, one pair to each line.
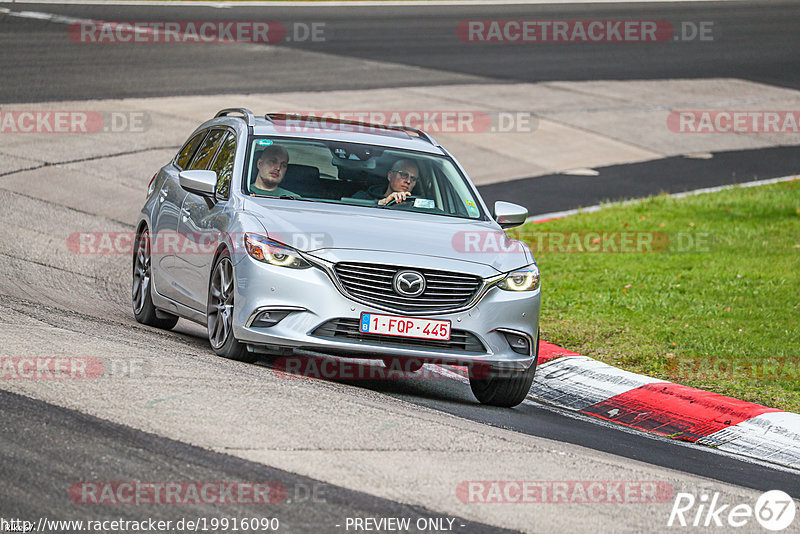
578, 383
569, 381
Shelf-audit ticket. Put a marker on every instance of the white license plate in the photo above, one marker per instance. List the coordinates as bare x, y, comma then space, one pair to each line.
394, 325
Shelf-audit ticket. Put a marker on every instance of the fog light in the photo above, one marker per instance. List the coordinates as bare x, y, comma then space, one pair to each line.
518, 343
269, 318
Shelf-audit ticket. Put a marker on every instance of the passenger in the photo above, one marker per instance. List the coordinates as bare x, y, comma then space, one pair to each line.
271, 165
402, 177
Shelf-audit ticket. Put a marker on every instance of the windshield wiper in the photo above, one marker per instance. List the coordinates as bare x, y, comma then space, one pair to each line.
295, 197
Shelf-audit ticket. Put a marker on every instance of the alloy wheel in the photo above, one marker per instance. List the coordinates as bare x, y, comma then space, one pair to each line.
141, 272
220, 303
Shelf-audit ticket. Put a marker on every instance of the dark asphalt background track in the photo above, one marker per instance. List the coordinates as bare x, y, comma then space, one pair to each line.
559, 192
48, 449
758, 41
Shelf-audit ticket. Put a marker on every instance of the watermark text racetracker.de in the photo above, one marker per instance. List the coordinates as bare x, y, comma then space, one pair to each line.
563, 492
734, 121
183, 32
583, 31
582, 241
254, 523
70, 368
736, 368
431, 120
170, 242
177, 492
72, 121
466, 242
332, 368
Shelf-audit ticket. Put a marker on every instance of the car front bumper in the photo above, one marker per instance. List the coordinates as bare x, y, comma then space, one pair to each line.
313, 301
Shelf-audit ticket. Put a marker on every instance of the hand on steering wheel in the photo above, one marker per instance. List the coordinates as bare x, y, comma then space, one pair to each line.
396, 197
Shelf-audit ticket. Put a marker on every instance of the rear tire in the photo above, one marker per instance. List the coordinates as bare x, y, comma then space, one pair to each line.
219, 313
141, 299
504, 388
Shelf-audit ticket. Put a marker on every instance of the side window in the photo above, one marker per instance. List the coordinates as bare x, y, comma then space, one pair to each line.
188, 150
223, 165
207, 150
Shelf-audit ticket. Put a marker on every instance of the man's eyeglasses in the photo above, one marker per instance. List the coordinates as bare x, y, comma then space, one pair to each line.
406, 176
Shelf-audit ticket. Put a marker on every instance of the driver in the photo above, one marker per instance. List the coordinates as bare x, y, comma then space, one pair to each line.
402, 177
271, 165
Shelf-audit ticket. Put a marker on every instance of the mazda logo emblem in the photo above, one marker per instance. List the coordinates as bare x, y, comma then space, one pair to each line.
408, 283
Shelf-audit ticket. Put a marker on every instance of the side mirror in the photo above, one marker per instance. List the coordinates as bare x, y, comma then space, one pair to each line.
509, 215
198, 182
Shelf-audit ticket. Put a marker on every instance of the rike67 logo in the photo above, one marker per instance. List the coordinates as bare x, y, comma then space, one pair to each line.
774, 511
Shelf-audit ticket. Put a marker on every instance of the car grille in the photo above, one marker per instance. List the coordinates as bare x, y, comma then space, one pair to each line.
373, 283
460, 340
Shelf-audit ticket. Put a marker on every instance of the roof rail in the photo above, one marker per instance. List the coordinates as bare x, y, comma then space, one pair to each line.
246, 114
395, 128
420, 133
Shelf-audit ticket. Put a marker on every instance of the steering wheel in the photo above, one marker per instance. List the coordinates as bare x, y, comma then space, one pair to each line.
408, 198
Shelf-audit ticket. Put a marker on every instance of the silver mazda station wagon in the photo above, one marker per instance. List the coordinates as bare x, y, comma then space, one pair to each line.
287, 232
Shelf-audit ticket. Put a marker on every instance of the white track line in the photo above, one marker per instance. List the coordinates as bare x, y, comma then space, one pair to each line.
598, 207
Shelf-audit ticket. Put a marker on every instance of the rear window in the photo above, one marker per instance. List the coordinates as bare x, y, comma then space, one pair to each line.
223, 165
205, 154
188, 150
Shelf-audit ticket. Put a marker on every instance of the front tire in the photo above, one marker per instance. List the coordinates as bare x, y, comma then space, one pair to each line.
406, 365
219, 313
141, 300
502, 388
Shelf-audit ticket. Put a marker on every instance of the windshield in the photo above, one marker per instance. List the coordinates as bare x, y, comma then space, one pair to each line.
360, 175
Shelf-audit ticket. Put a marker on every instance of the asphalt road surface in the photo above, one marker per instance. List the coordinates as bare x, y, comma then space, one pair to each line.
757, 41
560, 192
47, 449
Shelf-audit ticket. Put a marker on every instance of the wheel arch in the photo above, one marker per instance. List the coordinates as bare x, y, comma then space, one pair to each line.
142, 225
222, 247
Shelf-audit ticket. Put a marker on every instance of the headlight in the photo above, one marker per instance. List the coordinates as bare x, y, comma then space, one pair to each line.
264, 249
525, 279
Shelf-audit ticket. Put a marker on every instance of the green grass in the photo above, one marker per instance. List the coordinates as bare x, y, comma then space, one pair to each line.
707, 316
